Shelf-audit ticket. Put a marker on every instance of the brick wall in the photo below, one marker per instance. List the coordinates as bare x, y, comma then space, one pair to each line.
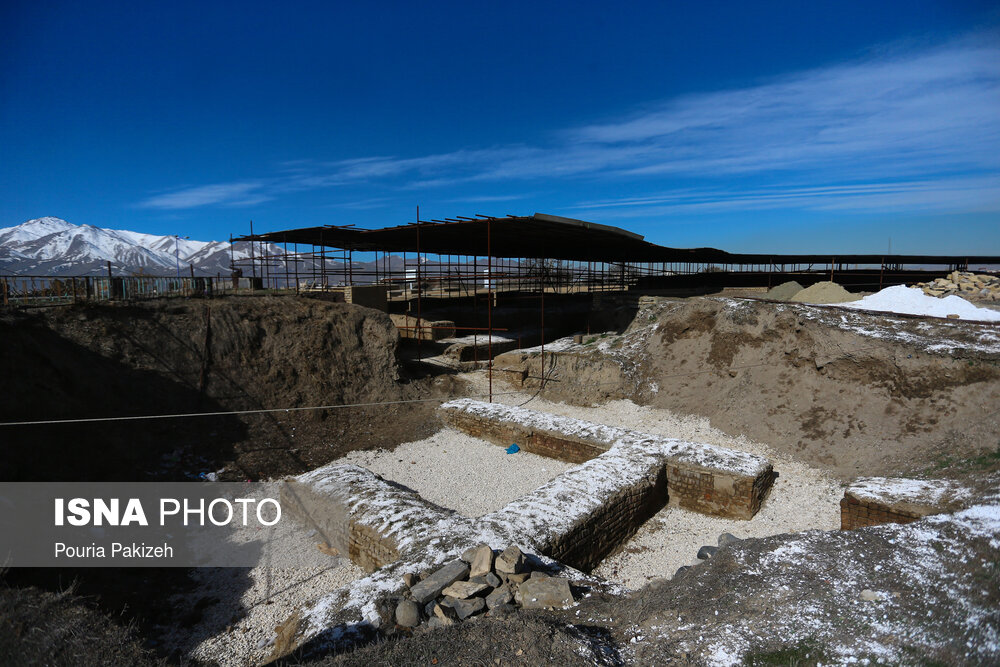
858, 513
604, 531
718, 490
369, 520
554, 446
870, 501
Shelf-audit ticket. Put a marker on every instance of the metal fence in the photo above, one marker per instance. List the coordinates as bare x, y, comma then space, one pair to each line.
54, 290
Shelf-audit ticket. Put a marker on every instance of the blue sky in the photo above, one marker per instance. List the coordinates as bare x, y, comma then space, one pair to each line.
820, 126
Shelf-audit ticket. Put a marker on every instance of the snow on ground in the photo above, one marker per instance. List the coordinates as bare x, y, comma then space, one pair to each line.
913, 301
932, 336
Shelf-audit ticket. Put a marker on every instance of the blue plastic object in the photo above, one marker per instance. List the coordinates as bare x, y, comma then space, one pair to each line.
513, 449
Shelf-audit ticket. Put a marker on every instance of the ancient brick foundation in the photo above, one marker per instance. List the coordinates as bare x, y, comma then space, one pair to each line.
871, 501
700, 477
346, 505
856, 513
603, 532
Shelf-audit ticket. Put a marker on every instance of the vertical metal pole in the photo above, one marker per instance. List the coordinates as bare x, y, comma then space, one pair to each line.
489, 306
253, 264
420, 289
542, 385
232, 263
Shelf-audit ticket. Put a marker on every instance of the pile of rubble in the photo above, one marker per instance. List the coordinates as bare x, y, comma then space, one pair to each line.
480, 581
972, 286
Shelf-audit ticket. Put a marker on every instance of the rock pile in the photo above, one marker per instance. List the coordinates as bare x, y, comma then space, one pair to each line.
480, 581
971, 286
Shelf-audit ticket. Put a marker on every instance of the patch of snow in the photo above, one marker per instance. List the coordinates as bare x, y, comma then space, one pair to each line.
913, 301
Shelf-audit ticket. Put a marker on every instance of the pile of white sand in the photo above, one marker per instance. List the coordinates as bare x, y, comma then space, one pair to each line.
913, 301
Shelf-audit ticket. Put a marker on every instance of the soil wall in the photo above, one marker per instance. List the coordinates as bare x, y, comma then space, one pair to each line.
193, 356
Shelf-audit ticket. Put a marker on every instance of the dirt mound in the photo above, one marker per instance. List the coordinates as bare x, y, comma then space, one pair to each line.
784, 291
824, 292
818, 597
171, 357
807, 386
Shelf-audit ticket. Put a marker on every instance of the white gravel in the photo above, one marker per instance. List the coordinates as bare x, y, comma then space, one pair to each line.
237, 629
457, 471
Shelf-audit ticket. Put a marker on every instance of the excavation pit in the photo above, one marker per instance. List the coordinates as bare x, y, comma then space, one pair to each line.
573, 521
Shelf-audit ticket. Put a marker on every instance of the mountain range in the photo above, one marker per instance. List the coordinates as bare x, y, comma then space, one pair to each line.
53, 247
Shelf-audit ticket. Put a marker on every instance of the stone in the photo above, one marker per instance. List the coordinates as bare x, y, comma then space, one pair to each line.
408, 614
953, 316
502, 610
492, 580
550, 592
482, 561
410, 580
538, 574
707, 552
725, 539
510, 561
498, 597
431, 587
468, 554
436, 622
681, 570
870, 596
462, 590
467, 608
519, 578
446, 614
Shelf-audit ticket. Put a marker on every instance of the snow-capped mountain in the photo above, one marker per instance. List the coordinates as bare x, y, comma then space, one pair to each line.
54, 247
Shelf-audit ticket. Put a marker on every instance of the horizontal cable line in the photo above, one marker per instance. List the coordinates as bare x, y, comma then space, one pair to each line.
242, 412
842, 354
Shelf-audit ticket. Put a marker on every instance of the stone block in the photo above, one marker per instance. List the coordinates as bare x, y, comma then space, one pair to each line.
550, 592
461, 590
510, 561
481, 563
432, 586
498, 597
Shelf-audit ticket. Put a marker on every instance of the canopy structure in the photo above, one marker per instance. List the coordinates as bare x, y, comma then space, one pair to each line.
554, 237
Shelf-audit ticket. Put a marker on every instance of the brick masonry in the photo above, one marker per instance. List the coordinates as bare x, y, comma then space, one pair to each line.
871, 501
347, 506
856, 513
572, 522
701, 478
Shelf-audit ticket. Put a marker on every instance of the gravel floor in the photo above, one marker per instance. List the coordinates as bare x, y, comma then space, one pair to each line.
459, 472
237, 628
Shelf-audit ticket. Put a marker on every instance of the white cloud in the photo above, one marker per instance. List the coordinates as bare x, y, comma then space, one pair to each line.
224, 194
927, 117
965, 194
